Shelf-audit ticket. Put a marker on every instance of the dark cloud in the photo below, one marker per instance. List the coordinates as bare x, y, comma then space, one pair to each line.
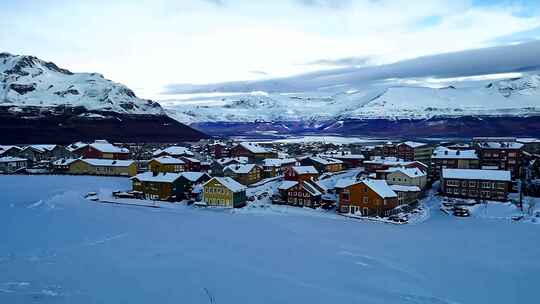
500, 59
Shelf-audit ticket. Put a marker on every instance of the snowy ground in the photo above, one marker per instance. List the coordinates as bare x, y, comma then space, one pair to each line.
58, 247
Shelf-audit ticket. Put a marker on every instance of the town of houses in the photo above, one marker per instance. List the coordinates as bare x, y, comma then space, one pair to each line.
365, 180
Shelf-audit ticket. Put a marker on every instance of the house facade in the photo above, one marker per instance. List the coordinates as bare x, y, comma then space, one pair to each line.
414, 151
501, 155
405, 177
254, 152
301, 194
157, 186
444, 158
406, 194
301, 173
10, 164
366, 198
276, 166
322, 164
224, 192
106, 167
246, 174
166, 164
476, 184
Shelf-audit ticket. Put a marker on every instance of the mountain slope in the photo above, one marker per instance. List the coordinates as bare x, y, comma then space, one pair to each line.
41, 102
29, 81
513, 97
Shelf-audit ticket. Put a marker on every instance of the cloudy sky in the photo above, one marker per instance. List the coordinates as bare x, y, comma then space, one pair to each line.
152, 45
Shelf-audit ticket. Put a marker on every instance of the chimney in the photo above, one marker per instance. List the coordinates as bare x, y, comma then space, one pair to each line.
445, 152
155, 173
457, 152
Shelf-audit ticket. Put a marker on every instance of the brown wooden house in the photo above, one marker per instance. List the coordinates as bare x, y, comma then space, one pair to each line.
366, 197
476, 184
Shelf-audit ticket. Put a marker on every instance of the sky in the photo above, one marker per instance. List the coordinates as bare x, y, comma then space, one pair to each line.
152, 46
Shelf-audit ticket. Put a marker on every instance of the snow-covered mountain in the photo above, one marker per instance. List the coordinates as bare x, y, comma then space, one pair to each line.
29, 81
43, 103
512, 97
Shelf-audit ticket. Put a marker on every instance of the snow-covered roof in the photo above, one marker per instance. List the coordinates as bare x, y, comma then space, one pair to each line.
348, 156
497, 175
191, 159
9, 159
75, 146
444, 153
501, 145
107, 162
254, 148
346, 182
311, 188
64, 161
227, 160
326, 160
390, 161
402, 188
380, 187
285, 185
410, 172
174, 150
193, 176
5, 148
278, 162
169, 160
106, 147
41, 148
229, 183
528, 140
240, 168
305, 170
413, 144
162, 177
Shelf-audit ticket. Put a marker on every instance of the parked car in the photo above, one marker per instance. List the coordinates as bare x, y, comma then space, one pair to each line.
461, 212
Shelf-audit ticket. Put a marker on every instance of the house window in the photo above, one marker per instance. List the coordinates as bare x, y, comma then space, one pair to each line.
472, 184
365, 199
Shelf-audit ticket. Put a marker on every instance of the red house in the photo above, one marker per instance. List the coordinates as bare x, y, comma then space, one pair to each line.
300, 173
103, 150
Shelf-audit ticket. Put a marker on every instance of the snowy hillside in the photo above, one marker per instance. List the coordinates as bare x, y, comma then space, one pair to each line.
29, 81
512, 97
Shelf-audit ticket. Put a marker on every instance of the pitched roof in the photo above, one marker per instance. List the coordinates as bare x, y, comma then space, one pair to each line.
413, 144
277, 162
229, 183
285, 185
380, 187
163, 177
227, 160
444, 153
41, 148
346, 182
410, 172
107, 162
254, 148
496, 175
193, 176
174, 150
326, 160
402, 188
5, 148
312, 189
240, 168
64, 161
305, 170
105, 147
169, 160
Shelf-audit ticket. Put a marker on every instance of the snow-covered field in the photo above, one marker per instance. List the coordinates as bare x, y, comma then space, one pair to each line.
57, 247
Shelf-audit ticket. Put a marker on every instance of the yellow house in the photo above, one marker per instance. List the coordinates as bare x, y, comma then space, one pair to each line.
166, 164
224, 192
107, 167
